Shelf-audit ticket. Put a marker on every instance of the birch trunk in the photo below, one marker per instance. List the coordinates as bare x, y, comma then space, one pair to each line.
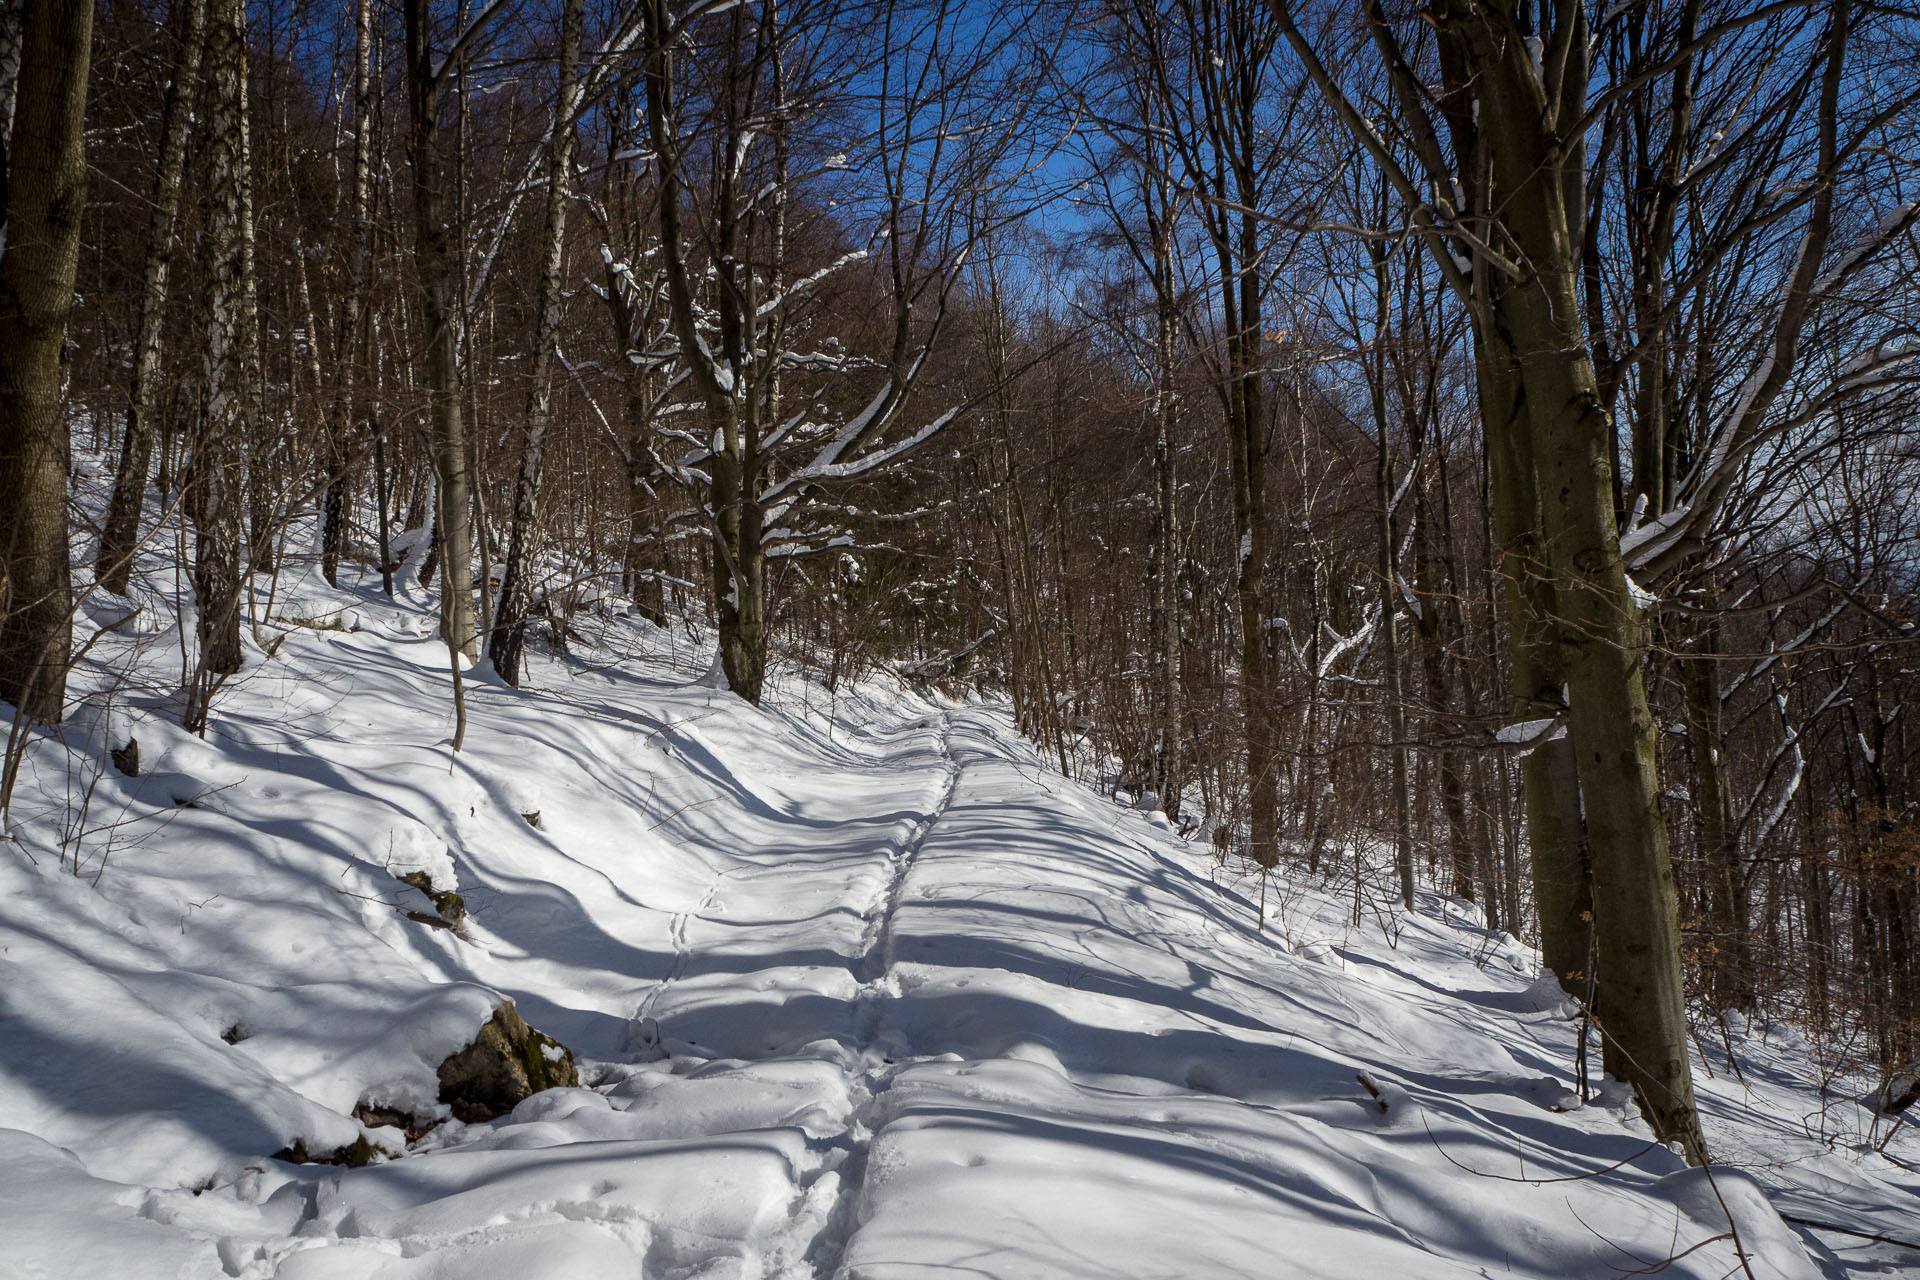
508, 642
216, 470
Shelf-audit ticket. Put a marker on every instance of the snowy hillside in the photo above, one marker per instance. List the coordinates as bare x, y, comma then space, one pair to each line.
858, 988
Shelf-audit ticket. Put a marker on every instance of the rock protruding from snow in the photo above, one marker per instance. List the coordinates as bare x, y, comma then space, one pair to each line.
507, 1063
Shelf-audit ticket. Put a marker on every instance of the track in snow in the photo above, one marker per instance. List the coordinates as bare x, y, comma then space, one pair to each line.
876, 958
645, 1029
879, 1055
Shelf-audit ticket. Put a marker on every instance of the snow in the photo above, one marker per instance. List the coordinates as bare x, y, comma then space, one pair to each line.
859, 988
1530, 733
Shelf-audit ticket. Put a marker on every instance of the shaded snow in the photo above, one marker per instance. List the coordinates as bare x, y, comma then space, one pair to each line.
860, 989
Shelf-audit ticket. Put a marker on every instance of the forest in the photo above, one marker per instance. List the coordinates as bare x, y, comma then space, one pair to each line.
1455, 450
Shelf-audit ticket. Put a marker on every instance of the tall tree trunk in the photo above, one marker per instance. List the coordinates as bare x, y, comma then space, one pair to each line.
736, 559
1169, 747
1436, 621
355, 347
120, 536
260, 446
1246, 426
1556, 829
1639, 994
45, 198
1388, 572
1730, 966
508, 641
440, 307
216, 471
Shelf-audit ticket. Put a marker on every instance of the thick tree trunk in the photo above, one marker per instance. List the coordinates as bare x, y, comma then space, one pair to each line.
739, 584
1556, 831
1639, 994
508, 641
45, 198
120, 536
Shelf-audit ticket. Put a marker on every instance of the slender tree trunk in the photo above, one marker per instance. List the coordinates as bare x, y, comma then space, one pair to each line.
1730, 962
641, 567
1435, 620
1169, 747
120, 536
260, 446
355, 348
45, 198
1246, 425
1388, 574
440, 307
216, 471
508, 641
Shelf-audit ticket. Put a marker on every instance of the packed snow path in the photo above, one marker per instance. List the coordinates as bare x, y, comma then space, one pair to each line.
861, 991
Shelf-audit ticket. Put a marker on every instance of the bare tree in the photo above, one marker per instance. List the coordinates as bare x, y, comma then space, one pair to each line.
44, 197
1513, 101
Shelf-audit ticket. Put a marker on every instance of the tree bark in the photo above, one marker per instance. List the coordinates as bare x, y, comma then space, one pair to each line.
1638, 992
1556, 830
45, 199
508, 641
355, 347
440, 307
216, 471
1167, 749
1436, 623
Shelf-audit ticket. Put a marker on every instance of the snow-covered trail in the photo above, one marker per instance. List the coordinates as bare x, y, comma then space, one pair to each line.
861, 991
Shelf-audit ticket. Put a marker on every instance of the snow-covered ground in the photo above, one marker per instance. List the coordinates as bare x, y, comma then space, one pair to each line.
858, 986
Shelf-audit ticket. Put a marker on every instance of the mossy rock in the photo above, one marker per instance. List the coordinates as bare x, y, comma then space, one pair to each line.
356, 1154
451, 906
507, 1063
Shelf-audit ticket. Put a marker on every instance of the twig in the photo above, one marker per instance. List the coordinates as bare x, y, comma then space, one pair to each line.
1849, 1231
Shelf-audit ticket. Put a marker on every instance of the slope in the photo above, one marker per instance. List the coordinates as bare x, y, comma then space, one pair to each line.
859, 988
